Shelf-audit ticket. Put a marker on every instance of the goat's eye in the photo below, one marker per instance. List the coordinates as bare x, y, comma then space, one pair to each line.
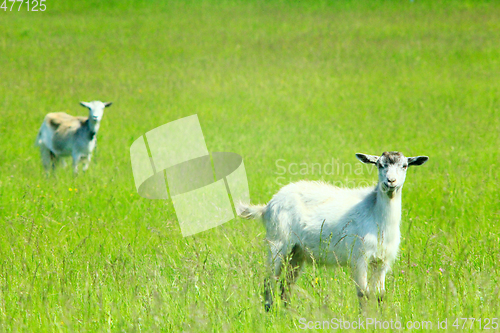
405, 166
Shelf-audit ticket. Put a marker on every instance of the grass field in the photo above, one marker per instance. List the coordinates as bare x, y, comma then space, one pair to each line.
285, 85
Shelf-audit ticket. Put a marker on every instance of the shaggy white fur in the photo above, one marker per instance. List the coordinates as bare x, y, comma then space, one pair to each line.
359, 227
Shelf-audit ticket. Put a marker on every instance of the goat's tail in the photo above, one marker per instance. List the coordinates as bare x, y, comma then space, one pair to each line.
249, 212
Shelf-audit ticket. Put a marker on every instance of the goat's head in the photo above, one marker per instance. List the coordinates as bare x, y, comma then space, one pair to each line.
392, 168
96, 110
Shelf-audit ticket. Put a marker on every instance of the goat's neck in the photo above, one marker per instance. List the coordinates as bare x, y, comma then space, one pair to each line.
387, 209
93, 127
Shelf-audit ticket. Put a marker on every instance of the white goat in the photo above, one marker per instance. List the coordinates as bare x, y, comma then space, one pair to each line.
63, 135
336, 226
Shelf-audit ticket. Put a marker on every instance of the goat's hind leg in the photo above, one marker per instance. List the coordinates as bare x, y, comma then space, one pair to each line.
275, 264
292, 266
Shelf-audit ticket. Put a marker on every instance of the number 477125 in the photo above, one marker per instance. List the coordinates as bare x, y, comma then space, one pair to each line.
31, 5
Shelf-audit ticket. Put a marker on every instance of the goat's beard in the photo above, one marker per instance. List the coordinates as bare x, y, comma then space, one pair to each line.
390, 191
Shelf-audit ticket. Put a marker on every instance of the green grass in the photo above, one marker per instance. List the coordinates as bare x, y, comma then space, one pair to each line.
302, 82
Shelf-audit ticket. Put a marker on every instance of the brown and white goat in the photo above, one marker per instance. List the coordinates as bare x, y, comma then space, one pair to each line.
64, 135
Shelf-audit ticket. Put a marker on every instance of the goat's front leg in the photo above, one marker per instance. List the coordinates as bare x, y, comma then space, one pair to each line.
76, 160
378, 280
360, 275
86, 162
63, 163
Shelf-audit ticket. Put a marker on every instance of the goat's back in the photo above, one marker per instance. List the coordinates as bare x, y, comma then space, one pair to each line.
304, 210
58, 119
58, 131
308, 199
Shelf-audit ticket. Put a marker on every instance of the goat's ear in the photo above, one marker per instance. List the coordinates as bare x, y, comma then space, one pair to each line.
85, 104
367, 158
418, 160
107, 104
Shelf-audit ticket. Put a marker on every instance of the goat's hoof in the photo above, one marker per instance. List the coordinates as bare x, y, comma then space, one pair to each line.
363, 295
268, 306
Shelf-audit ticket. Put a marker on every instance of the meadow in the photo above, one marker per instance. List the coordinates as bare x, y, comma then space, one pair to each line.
288, 85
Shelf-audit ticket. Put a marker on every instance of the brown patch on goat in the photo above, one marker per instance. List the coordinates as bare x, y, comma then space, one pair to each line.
54, 123
56, 119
